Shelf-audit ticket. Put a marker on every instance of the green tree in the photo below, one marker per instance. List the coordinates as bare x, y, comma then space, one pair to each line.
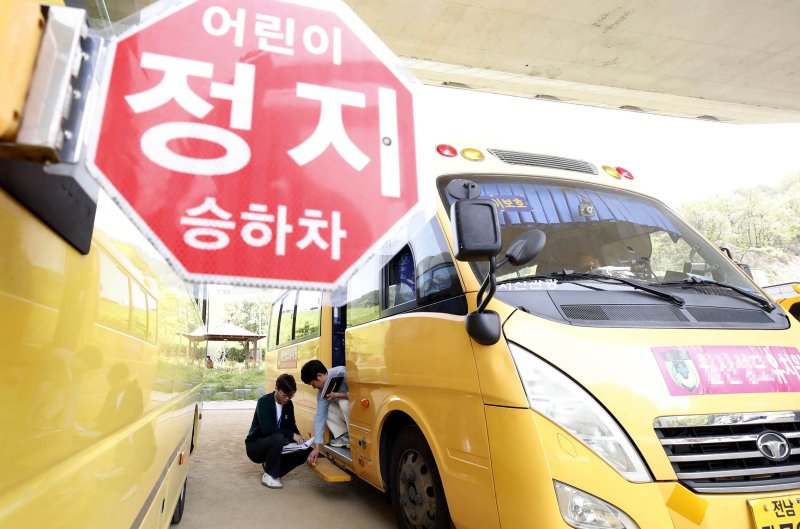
248, 314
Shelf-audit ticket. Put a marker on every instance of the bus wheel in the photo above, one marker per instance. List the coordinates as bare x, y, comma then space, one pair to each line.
178, 513
417, 493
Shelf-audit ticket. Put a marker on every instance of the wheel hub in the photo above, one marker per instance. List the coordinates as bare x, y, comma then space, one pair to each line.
417, 491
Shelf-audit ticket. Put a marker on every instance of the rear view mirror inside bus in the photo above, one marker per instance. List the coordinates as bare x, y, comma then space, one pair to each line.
476, 229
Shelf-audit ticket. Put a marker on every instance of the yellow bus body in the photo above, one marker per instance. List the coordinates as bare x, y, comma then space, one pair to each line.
100, 389
788, 295
500, 460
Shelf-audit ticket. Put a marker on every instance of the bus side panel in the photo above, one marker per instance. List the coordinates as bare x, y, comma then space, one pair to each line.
422, 363
89, 390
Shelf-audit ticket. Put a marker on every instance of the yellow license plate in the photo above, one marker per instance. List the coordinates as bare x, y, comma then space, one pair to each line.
782, 512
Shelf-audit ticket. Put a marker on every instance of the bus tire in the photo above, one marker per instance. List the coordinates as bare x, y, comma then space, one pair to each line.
417, 493
177, 514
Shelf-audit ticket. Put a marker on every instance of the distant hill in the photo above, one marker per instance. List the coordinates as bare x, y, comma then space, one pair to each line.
760, 224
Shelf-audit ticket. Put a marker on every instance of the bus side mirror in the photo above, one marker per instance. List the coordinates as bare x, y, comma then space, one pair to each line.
744, 266
476, 229
483, 327
525, 249
476, 236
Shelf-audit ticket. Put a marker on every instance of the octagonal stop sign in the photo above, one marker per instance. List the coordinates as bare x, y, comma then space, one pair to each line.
258, 142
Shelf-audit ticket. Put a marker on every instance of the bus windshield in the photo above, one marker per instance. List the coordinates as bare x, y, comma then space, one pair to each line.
599, 230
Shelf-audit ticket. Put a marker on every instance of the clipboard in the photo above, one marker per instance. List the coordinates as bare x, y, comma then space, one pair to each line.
332, 385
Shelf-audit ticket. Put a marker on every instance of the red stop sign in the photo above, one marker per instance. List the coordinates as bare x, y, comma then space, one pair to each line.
258, 142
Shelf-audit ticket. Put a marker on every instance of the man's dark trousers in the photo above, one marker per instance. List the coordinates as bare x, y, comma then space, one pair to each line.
267, 451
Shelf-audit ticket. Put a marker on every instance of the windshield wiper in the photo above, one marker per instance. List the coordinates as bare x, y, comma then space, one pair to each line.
672, 298
547, 277
569, 275
765, 303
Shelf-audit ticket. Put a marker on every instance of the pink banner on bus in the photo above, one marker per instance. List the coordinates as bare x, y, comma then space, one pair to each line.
721, 369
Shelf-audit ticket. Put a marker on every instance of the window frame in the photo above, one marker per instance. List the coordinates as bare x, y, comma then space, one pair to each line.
295, 337
386, 277
289, 294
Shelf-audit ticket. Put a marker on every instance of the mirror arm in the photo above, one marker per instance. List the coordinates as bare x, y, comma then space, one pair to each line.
491, 283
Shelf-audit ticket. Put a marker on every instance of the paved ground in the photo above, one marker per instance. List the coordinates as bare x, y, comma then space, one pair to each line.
225, 490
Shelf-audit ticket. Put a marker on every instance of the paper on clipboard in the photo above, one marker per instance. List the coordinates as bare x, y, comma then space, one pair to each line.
295, 447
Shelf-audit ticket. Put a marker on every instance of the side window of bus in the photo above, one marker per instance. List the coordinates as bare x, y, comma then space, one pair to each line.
114, 305
139, 312
152, 319
275, 314
437, 278
309, 307
363, 294
287, 317
400, 280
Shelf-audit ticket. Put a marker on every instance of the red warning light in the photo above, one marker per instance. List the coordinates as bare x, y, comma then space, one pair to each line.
625, 173
446, 150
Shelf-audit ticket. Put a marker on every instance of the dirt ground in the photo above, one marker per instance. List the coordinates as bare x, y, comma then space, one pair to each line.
225, 491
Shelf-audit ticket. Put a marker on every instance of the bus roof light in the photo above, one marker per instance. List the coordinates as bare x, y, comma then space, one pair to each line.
445, 150
473, 155
613, 172
625, 173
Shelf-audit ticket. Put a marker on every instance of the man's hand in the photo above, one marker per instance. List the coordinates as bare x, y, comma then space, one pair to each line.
336, 395
312, 457
298, 439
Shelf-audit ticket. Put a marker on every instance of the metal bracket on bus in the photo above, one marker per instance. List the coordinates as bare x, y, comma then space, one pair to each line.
41, 164
52, 124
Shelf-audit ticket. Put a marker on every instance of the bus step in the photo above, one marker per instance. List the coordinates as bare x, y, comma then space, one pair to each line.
330, 472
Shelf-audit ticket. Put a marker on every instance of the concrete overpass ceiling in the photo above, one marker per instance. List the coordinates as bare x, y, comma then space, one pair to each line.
729, 60
736, 61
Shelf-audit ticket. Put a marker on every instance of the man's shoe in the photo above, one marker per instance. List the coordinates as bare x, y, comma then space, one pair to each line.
343, 441
269, 481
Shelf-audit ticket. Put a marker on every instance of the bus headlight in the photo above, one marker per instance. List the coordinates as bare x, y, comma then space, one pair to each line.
554, 395
584, 511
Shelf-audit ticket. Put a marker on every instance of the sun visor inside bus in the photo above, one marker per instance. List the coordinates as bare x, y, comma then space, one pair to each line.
543, 204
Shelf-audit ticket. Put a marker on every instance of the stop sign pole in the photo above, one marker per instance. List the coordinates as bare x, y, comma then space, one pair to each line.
258, 142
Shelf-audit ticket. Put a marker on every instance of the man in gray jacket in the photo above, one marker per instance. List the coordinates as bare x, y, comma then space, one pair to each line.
333, 409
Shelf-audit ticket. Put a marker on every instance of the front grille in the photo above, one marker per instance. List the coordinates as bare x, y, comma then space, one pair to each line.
541, 160
623, 313
718, 453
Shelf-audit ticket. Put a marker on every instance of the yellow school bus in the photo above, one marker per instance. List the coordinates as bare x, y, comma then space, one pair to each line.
99, 384
544, 345
788, 295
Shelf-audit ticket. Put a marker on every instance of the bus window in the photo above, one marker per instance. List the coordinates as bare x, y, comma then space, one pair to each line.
139, 312
400, 280
275, 315
309, 305
115, 304
287, 315
152, 319
437, 278
363, 303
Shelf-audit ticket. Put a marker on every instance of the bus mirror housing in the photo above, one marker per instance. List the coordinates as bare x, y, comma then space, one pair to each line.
744, 266
483, 327
525, 249
476, 236
476, 229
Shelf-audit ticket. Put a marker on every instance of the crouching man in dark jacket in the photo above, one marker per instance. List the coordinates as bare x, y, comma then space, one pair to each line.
273, 427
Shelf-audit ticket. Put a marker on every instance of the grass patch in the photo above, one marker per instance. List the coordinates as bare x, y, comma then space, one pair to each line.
226, 380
